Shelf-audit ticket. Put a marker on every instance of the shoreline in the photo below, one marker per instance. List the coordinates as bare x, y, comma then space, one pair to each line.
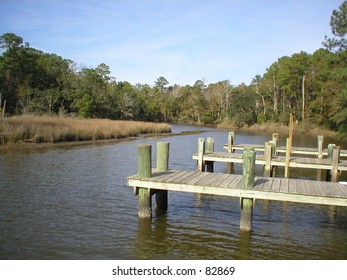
31, 145
306, 129
265, 127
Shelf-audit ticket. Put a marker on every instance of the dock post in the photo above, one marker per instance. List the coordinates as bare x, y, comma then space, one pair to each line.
268, 156
201, 152
209, 149
248, 183
231, 141
334, 164
331, 147
145, 171
275, 137
161, 196
320, 139
288, 150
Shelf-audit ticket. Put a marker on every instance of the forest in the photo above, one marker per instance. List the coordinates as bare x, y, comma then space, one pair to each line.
311, 86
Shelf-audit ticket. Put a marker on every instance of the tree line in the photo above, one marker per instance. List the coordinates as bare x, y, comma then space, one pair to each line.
311, 86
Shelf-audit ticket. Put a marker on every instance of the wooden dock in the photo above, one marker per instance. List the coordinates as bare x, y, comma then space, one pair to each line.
270, 188
282, 150
295, 162
319, 152
247, 187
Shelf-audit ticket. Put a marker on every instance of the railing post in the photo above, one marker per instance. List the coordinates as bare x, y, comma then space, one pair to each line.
145, 171
287, 161
231, 141
161, 196
275, 137
331, 148
209, 149
334, 164
248, 183
320, 139
268, 156
201, 152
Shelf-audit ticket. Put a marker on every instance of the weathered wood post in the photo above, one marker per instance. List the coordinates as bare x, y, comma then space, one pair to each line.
145, 171
209, 149
231, 141
161, 196
275, 137
288, 150
334, 164
320, 139
248, 183
331, 147
201, 152
268, 156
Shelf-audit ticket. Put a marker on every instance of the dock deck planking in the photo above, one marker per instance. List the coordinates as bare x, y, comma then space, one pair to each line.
280, 189
300, 186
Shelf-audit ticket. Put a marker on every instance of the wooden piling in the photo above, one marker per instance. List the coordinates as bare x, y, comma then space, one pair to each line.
334, 164
201, 152
145, 171
288, 149
247, 183
161, 196
231, 141
331, 148
320, 139
275, 137
209, 149
268, 156
163, 156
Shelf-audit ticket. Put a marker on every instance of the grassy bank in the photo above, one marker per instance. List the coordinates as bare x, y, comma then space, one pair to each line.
299, 128
46, 129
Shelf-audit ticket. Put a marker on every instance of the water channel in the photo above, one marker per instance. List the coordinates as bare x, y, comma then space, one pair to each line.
72, 202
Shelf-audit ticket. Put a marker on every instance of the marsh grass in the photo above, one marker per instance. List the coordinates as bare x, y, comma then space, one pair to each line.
299, 128
43, 129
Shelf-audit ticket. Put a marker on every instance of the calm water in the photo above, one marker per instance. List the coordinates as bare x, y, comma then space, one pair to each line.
73, 203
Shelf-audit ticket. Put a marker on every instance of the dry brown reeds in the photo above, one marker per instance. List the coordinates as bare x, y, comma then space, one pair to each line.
42, 129
299, 128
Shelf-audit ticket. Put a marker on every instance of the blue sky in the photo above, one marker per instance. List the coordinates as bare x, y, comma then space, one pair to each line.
183, 41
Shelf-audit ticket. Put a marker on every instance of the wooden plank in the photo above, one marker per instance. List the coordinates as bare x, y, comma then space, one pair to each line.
292, 188
228, 180
212, 178
268, 184
259, 183
343, 189
185, 177
238, 183
284, 187
173, 176
318, 189
340, 190
198, 178
300, 186
235, 182
328, 190
276, 185
221, 179
309, 188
